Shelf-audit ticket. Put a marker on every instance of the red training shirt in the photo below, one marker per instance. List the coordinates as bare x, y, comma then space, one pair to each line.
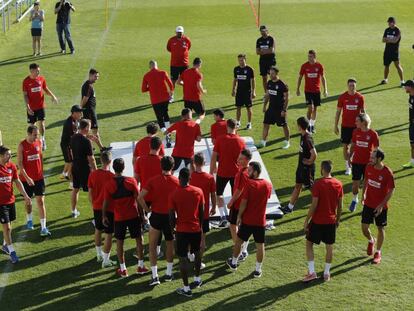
207, 184
228, 148
328, 191
377, 184
240, 181
257, 193
159, 188
218, 129
186, 202
34, 89
179, 47
156, 81
312, 73
147, 167
32, 160
187, 132
97, 181
190, 79
364, 144
351, 106
143, 147
8, 173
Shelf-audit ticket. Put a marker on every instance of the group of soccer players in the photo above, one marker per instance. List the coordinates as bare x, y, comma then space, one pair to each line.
179, 208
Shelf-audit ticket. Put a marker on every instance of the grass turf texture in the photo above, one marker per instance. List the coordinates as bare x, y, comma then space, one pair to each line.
61, 273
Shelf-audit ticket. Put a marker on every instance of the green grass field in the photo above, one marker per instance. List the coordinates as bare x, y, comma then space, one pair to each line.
60, 273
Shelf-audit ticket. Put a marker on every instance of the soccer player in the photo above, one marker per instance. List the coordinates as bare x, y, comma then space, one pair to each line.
277, 96
186, 211
350, 104
305, 171
161, 89
96, 185
8, 176
30, 160
70, 127
219, 127
409, 88
323, 218
143, 146
88, 104
265, 47
186, 132
364, 141
240, 182
148, 166
83, 162
227, 150
122, 192
205, 182
314, 73
191, 80
178, 46
244, 89
33, 87
392, 38
378, 189
159, 189
251, 218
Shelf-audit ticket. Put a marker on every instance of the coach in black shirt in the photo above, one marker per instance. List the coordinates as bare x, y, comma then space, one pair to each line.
63, 9
265, 47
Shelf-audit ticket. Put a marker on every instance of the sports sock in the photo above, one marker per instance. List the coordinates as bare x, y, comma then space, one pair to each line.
163, 130
4, 242
258, 266
186, 288
10, 248
105, 257
291, 206
167, 124
402, 81
141, 263
122, 266
412, 161
198, 121
43, 223
197, 279
158, 249
98, 250
311, 122
372, 241
29, 217
154, 270
327, 268
244, 246
311, 267
355, 198
347, 164
222, 212
234, 260
378, 251
169, 268
263, 143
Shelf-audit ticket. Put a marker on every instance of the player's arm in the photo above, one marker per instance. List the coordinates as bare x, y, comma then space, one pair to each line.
169, 84
144, 86
236, 195
311, 211
325, 85
253, 87
50, 93
213, 198
339, 210
234, 87
90, 194
298, 84
266, 100
337, 116
285, 103
180, 80
172, 218
84, 100
201, 88
169, 46
201, 214
21, 167
141, 200
20, 187
259, 51
242, 208
395, 38
380, 207
213, 163
351, 150
92, 162
312, 158
58, 7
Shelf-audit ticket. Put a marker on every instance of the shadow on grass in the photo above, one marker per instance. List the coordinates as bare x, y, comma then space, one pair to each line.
28, 58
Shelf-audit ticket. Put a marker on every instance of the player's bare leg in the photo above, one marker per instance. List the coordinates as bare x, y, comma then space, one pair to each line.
98, 138
264, 81
399, 70
386, 73
238, 114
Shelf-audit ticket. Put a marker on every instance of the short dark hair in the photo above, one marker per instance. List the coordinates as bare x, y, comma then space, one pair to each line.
256, 167
152, 128
185, 112
167, 163
118, 165
274, 68
31, 128
33, 66
353, 80
184, 176
219, 112
231, 123
155, 143
241, 56
4, 150
303, 122
93, 71
106, 156
199, 158
379, 154
327, 166
312, 52
197, 61
247, 153
84, 123
391, 19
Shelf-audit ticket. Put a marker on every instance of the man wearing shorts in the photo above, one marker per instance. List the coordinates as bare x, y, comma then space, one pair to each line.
409, 89
378, 189
33, 87
244, 89
350, 104
30, 160
265, 47
179, 47
323, 218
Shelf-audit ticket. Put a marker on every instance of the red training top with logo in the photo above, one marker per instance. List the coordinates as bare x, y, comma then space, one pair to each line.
351, 106
156, 81
34, 89
143, 147
218, 129
179, 47
364, 144
32, 160
187, 132
257, 193
147, 167
186, 202
377, 184
313, 74
126, 207
190, 79
8, 173
240, 181
328, 191
159, 188
97, 181
207, 184
228, 148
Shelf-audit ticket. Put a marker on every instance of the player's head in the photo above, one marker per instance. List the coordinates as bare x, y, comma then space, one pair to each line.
264, 31
242, 59
36, 5
184, 176
363, 121
153, 64
84, 126
76, 112
311, 56
179, 31
352, 84
118, 165
155, 143
32, 132
167, 163
93, 75
409, 86
303, 124
186, 114
106, 157
231, 126
199, 159
34, 69
377, 156
218, 114
391, 21
273, 71
255, 169
5, 154
197, 62
244, 158
152, 128
326, 167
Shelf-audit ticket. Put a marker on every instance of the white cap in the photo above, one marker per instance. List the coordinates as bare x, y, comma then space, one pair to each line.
179, 29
